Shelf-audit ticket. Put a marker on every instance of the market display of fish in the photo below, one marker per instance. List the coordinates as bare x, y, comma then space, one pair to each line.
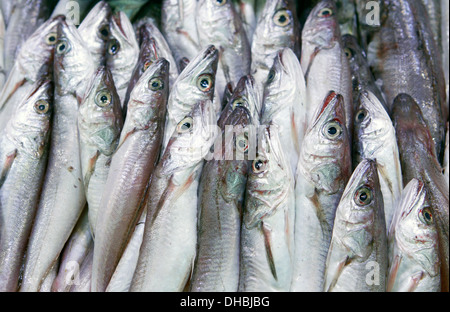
224, 146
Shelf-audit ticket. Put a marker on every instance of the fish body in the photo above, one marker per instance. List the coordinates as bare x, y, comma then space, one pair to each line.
357, 258
24, 151
323, 171
375, 138
168, 248
414, 262
267, 231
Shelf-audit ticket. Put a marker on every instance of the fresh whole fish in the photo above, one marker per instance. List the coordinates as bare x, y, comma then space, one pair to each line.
131, 166
62, 198
195, 83
169, 244
375, 138
323, 171
414, 258
359, 241
324, 62
24, 147
267, 231
409, 61
419, 161
284, 104
221, 199
178, 23
100, 122
276, 28
122, 52
220, 25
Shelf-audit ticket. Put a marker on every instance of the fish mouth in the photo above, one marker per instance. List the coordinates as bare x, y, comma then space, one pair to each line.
367, 168
206, 59
330, 102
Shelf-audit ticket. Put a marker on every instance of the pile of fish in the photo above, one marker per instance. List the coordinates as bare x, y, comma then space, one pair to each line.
224, 145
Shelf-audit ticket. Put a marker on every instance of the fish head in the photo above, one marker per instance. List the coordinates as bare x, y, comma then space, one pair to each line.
191, 141
100, 113
197, 79
94, 29
122, 42
32, 119
36, 54
270, 179
321, 28
147, 105
355, 55
414, 228
73, 63
325, 154
361, 211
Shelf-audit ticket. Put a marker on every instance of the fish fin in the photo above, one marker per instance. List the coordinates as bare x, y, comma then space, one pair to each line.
337, 274
414, 281
393, 273
320, 213
7, 166
269, 254
91, 168
385, 175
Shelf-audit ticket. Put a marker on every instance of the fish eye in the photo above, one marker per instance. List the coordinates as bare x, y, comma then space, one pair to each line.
348, 53
104, 31
242, 143
204, 82
325, 12
220, 2
185, 125
103, 98
41, 106
51, 38
271, 76
282, 18
237, 102
332, 130
259, 165
363, 196
156, 84
62, 46
426, 216
113, 47
360, 115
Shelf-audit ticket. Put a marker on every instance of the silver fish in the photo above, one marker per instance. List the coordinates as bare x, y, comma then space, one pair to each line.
24, 147
131, 167
169, 245
323, 171
62, 199
267, 232
414, 262
359, 241
2, 49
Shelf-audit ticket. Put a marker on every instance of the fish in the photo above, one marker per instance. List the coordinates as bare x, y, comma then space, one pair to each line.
221, 199
323, 170
62, 198
6, 6
94, 29
2, 49
131, 167
277, 27
284, 103
24, 149
414, 258
446, 161
49, 279
434, 10
168, 249
409, 61
247, 12
445, 24
195, 83
357, 260
122, 52
220, 25
34, 62
35, 12
419, 160
267, 231
375, 138
324, 62
76, 250
100, 123
179, 27
362, 77
74, 11
82, 282
130, 8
